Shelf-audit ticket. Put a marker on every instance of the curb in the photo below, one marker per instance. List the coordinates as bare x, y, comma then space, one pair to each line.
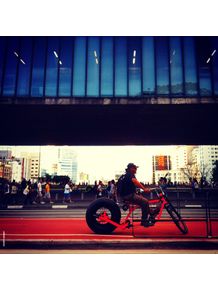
195, 244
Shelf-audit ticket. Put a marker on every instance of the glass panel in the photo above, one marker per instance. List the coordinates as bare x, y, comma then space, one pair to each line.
190, 66
162, 65
148, 61
176, 66
52, 66
214, 61
65, 64
93, 66
204, 62
38, 71
12, 59
107, 66
2, 57
134, 66
79, 68
23, 84
120, 66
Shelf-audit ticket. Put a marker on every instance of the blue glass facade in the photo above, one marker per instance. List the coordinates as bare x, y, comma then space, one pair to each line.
108, 66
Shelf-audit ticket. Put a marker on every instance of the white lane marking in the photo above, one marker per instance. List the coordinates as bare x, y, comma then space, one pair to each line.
14, 206
60, 206
3, 239
193, 205
42, 218
71, 235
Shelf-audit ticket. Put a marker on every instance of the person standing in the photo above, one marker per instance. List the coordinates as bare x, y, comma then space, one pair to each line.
113, 193
99, 189
14, 190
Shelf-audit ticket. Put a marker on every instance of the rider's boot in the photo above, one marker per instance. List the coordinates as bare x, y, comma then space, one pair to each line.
148, 223
155, 211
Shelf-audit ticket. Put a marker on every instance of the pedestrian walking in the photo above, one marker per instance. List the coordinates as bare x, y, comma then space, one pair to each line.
67, 191
6, 193
26, 195
39, 195
47, 195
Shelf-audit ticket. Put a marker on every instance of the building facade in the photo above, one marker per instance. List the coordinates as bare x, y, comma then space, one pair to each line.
31, 165
67, 163
108, 66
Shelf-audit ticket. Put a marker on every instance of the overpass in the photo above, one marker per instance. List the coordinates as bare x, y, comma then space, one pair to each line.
108, 90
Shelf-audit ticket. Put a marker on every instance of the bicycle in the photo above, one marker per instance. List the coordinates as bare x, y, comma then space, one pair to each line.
103, 215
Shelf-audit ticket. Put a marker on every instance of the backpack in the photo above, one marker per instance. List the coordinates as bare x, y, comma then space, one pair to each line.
120, 187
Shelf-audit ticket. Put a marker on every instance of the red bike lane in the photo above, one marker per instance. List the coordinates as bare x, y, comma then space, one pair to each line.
52, 229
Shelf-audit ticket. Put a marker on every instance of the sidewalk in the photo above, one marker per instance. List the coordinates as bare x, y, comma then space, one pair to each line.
74, 204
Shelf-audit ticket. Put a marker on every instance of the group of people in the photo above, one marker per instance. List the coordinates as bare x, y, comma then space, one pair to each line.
25, 192
110, 190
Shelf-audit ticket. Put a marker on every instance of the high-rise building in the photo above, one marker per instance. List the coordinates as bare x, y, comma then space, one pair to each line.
31, 165
5, 170
84, 177
5, 154
67, 163
207, 156
16, 170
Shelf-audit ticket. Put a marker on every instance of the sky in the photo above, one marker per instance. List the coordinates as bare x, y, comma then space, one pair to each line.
101, 161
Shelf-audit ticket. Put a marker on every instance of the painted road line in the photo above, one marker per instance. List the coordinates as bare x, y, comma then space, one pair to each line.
60, 206
193, 205
14, 206
71, 235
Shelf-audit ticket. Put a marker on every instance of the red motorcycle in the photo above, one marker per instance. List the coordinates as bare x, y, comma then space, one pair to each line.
103, 215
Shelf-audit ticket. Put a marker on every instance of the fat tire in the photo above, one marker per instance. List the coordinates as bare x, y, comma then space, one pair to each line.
179, 222
93, 224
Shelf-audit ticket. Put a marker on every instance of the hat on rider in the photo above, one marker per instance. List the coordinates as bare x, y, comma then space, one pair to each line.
130, 165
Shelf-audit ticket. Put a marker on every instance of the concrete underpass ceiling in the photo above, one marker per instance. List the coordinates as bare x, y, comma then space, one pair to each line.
109, 124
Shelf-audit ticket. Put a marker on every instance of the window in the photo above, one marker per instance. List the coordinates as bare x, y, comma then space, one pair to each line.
176, 72
38, 70
204, 65
53, 56
134, 66
12, 59
65, 66
93, 66
214, 61
107, 66
25, 61
120, 66
190, 66
162, 65
2, 58
148, 64
79, 70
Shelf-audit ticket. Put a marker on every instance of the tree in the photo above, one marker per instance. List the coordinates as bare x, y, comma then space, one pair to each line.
190, 171
215, 172
62, 179
194, 171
